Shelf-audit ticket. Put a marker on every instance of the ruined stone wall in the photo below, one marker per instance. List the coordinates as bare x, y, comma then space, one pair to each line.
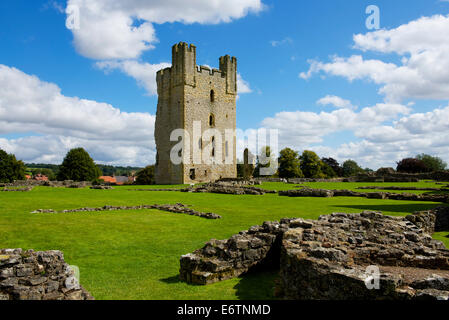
327, 258
189, 93
42, 275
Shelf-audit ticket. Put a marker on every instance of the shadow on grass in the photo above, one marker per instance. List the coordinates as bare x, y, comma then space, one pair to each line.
171, 280
442, 191
406, 208
257, 285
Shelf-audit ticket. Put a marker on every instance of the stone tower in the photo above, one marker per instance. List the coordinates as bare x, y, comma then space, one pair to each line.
202, 101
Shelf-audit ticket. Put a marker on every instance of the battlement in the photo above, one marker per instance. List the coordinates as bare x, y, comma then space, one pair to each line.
184, 47
228, 65
227, 59
212, 72
184, 69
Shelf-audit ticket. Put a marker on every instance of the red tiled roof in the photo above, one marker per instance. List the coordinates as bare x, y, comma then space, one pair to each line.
108, 179
41, 177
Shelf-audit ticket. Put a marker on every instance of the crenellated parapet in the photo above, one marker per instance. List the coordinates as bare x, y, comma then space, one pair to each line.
183, 64
228, 65
163, 80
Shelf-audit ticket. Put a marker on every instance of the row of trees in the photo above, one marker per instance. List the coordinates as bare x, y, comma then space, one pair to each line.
308, 165
420, 164
77, 165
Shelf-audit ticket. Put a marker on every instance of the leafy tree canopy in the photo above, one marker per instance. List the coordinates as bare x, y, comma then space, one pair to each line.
412, 165
311, 164
432, 163
10, 168
289, 164
145, 176
331, 162
351, 168
78, 166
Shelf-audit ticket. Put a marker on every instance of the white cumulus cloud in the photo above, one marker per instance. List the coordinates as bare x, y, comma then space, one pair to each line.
111, 29
424, 53
335, 101
28, 104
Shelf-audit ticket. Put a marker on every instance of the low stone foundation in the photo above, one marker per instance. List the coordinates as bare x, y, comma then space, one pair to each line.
308, 192
101, 187
175, 208
17, 189
222, 187
398, 188
42, 275
327, 258
227, 188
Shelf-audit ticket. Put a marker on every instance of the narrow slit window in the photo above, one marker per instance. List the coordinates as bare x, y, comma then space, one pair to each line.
211, 120
212, 96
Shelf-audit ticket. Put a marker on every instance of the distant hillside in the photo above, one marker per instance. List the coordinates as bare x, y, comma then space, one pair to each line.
106, 169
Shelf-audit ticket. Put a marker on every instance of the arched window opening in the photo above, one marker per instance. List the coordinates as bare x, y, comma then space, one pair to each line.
213, 146
192, 174
212, 96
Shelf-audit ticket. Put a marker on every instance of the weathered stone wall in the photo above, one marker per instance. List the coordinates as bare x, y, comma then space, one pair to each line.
42, 275
308, 192
188, 93
327, 258
35, 183
228, 188
175, 208
403, 177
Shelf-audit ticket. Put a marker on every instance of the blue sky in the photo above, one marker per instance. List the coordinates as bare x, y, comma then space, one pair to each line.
277, 43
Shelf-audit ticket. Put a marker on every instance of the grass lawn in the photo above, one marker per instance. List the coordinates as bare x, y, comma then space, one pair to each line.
135, 254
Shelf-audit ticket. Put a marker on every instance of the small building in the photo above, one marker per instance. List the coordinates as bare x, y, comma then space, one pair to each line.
40, 177
108, 179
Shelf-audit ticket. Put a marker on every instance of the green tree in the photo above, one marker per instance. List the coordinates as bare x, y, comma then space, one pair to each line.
78, 166
10, 168
432, 163
351, 168
327, 170
311, 164
145, 176
412, 165
289, 164
331, 162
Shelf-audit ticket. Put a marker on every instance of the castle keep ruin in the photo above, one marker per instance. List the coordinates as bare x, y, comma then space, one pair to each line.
202, 101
